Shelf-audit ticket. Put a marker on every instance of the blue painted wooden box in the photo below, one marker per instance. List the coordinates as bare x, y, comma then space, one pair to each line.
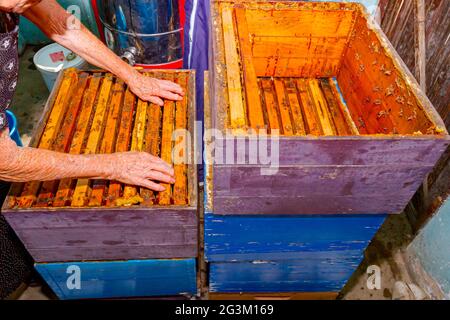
285, 254
120, 279
229, 238
306, 275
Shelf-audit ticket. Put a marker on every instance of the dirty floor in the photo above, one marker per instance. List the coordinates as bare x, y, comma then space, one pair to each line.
393, 236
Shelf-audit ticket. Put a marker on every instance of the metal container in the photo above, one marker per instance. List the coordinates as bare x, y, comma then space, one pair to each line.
144, 32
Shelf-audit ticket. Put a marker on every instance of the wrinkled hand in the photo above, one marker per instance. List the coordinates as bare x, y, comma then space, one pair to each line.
154, 90
140, 168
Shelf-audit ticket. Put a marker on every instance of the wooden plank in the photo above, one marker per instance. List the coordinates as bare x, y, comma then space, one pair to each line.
109, 140
311, 117
88, 234
63, 139
339, 121
283, 205
271, 104
297, 116
373, 97
296, 67
63, 194
283, 105
130, 193
321, 107
124, 279
30, 190
280, 22
14, 193
275, 296
333, 180
254, 108
152, 144
420, 44
299, 47
352, 91
354, 151
343, 107
168, 125
438, 57
287, 237
237, 109
83, 189
319, 274
298, 56
123, 141
180, 189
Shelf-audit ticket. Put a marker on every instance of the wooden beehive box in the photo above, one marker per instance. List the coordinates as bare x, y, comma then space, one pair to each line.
282, 253
354, 131
82, 220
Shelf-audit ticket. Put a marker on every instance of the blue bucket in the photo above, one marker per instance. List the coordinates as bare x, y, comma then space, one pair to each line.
13, 130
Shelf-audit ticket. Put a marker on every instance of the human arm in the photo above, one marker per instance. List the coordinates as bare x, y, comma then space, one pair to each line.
54, 21
29, 164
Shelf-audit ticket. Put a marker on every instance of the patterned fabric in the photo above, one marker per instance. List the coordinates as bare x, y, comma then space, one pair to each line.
16, 265
9, 62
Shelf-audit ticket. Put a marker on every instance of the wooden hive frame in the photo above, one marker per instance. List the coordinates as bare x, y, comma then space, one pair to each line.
370, 138
83, 221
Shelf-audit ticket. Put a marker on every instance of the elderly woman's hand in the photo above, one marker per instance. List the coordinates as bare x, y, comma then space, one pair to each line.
154, 90
141, 169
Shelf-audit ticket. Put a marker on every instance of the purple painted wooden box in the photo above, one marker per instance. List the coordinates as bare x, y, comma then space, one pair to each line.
374, 169
137, 232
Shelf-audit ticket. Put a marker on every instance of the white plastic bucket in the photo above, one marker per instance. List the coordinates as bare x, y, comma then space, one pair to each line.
50, 68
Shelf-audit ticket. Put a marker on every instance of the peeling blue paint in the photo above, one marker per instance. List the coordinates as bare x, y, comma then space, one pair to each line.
286, 253
122, 279
286, 237
280, 276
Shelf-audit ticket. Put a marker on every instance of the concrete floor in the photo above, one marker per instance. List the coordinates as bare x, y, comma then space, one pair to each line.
383, 252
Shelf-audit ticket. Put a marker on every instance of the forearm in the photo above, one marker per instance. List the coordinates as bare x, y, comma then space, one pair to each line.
85, 44
51, 18
80, 40
29, 164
